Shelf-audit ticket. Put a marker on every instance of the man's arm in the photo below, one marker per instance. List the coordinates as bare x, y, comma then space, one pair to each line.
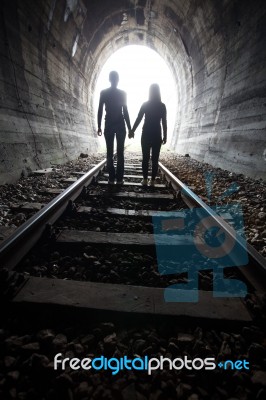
126, 116
100, 114
125, 112
164, 124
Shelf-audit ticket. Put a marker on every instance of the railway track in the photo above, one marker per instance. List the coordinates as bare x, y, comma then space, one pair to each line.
102, 248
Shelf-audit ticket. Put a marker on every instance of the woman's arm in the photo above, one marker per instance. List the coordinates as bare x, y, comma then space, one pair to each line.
139, 118
164, 124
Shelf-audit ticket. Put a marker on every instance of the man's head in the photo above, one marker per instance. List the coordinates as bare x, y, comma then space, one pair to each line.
113, 78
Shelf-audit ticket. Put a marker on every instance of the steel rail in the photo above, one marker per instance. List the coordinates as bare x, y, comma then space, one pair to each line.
256, 276
16, 246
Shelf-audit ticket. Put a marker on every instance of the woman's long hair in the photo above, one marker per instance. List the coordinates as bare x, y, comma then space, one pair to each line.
154, 92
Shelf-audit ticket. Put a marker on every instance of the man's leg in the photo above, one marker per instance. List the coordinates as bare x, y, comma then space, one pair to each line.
145, 145
109, 138
156, 147
120, 139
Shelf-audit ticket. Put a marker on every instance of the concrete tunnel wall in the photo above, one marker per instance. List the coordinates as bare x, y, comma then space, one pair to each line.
52, 51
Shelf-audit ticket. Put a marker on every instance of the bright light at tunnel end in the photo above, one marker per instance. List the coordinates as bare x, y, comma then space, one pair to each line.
139, 67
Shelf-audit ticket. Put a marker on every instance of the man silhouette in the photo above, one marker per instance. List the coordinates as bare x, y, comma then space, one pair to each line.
115, 102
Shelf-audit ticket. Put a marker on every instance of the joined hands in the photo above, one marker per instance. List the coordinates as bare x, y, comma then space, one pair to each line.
131, 134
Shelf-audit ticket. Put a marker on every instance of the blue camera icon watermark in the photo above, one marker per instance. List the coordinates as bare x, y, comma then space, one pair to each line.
190, 241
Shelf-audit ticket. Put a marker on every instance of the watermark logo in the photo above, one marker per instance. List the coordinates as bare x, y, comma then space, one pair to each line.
190, 241
115, 365
234, 365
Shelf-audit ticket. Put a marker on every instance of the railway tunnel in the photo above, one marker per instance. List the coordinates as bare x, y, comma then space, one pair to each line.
52, 53
172, 272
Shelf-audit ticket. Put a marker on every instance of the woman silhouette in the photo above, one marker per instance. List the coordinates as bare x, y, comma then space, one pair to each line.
151, 139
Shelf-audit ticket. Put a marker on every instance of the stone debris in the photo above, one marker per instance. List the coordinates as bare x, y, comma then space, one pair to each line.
30, 374
110, 264
251, 193
29, 189
259, 378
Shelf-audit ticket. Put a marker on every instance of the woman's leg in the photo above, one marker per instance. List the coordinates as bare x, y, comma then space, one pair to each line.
120, 140
145, 145
156, 147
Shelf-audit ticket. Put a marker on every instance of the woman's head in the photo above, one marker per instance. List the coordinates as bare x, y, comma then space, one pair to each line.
154, 92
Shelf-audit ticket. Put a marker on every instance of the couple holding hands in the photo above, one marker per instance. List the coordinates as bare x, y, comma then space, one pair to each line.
117, 114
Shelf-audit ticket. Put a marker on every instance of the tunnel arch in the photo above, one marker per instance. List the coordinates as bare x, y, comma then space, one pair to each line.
181, 70
51, 52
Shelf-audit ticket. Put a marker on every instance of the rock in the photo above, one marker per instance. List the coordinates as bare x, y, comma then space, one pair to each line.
113, 275
13, 375
13, 393
262, 215
226, 337
198, 333
225, 349
31, 347
39, 361
59, 342
107, 327
97, 333
261, 395
20, 217
22, 396
55, 256
256, 352
78, 348
83, 390
139, 345
109, 338
95, 379
45, 336
148, 350
202, 392
64, 381
110, 343
259, 377
140, 396
222, 391
179, 391
9, 362
241, 393
185, 338
69, 353
101, 393
129, 392
252, 334
13, 342
194, 396
173, 348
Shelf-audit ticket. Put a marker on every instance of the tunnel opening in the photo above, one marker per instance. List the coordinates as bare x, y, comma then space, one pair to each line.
138, 67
